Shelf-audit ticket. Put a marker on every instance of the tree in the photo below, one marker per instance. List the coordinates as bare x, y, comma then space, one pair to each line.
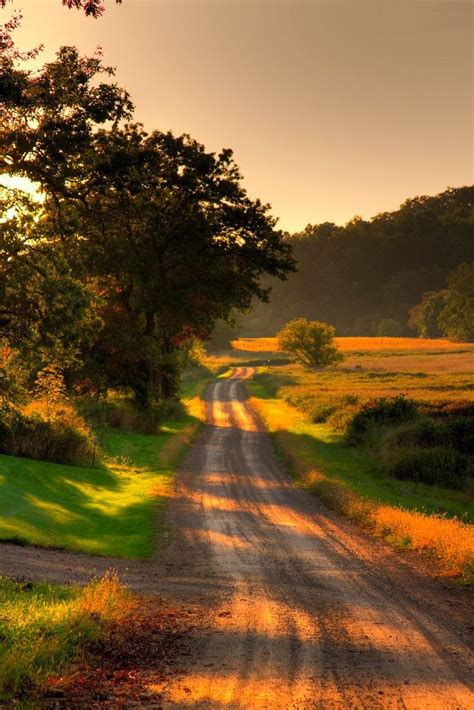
309, 343
424, 317
389, 328
91, 8
45, 311
174, 244
457, 317
372, 269
161, 230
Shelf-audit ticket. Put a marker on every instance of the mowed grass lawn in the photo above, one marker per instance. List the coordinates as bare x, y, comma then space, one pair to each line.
109, 509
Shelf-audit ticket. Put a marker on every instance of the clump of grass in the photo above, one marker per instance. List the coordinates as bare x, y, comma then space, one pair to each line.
44, 628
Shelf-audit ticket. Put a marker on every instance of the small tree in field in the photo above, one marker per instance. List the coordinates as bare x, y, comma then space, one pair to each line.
309, 343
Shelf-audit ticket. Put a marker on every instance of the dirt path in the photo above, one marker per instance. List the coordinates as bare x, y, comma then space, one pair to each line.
299, 610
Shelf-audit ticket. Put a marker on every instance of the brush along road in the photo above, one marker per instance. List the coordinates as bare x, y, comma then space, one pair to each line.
305, 612
295, 607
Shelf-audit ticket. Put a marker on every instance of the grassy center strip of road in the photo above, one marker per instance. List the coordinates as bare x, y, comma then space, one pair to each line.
113, 508
407, 514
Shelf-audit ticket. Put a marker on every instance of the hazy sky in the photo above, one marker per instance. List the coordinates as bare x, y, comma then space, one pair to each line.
332, 107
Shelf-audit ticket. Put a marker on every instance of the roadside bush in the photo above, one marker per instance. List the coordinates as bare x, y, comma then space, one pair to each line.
436, 466
380, 413
457, 433
36, 438
119, 412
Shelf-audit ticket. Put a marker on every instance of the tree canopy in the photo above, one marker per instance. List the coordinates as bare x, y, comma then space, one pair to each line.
157, 235
91, 8
372, 270
309, 343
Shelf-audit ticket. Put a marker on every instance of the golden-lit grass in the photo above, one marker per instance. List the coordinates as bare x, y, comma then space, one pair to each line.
44, 628
342, 477
448, 540
364, 344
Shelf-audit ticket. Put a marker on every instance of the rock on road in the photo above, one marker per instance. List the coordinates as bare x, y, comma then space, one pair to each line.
304, 611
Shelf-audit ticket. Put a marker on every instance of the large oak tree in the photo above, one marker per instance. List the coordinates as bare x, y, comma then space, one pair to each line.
161, 229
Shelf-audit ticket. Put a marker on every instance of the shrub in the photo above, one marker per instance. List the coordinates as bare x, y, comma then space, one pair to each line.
36, 438
436, 466
120, 412
456, 433
381, 412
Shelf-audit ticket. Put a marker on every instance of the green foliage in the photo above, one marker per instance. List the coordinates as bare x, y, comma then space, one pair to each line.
355, 276
381, 412
309, 343
457, 317
447, 468
157, 235
42, 439
424, 317
450, 432
46, 312
12, 378
388, 327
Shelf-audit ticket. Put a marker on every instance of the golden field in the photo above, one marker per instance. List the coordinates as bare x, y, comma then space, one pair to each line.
359, 344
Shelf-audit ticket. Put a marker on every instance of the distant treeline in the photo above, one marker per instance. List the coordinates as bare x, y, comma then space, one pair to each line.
365, 277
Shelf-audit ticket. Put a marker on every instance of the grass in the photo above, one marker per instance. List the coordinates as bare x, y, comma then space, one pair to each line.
44, 628
110, 509
409, 514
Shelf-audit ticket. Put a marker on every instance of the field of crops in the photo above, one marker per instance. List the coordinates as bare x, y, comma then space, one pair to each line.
363, 344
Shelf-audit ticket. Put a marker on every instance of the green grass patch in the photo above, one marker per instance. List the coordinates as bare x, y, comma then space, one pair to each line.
44, 628
110, 509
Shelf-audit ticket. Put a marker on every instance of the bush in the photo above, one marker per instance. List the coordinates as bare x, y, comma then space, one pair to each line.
33, 437
436, 466
455, 433
382, 412
120, 412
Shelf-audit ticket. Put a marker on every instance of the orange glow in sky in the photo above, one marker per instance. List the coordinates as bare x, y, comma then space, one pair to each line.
333, 108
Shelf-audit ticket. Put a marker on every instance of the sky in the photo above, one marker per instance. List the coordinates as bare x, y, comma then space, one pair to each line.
333, 108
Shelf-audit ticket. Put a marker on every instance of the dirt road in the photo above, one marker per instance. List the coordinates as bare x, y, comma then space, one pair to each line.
296, 609
304, 612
